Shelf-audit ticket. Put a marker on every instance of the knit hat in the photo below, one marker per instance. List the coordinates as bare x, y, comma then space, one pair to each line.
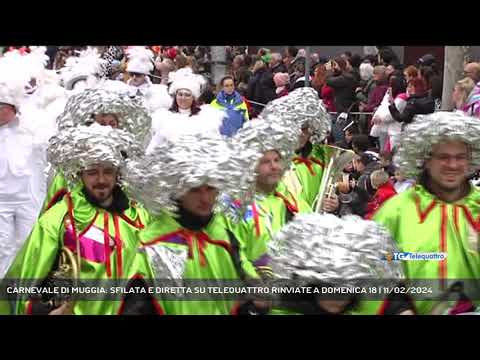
281, 79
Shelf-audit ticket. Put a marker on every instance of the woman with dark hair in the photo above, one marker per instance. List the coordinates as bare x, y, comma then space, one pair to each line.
324, 91
185, 116
433, 83
233, 104
419, 102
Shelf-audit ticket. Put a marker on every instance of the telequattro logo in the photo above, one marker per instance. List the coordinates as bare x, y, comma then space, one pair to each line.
412, 256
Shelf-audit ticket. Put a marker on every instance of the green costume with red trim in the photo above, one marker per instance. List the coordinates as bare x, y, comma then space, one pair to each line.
108, 243
420, 222
211, 256
56, 190
309, 171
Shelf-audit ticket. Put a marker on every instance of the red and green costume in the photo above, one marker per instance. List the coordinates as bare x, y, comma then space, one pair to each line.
420, 222
108, 247
211, 255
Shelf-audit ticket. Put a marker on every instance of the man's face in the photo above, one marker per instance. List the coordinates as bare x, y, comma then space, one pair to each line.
99, 181
269, 169
184, 99
390, 69
448, 165
200, 200
137, 79
228, 86
7, 113
107, 120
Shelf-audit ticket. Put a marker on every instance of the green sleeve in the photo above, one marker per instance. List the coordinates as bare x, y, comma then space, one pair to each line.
37, 256
59, 184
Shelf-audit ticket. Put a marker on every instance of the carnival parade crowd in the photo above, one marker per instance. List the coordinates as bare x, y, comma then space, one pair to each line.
130, 165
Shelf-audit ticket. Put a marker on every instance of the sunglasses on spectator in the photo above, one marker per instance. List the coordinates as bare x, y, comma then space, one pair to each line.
136, 74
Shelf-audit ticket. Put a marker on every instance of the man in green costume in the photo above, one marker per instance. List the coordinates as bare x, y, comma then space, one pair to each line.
105, 107
96, 220
440, 214
180, 183
303, 108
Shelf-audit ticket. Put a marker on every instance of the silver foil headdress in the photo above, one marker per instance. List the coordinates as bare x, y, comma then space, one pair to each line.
420, 136
327, 248
81, 108
75, 149
303, 107
173, 168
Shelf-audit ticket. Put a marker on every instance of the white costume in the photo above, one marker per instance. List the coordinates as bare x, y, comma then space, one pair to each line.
167, 124
23, 144
155, 96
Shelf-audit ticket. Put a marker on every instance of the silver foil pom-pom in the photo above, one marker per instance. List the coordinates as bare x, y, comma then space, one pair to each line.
336, 250
304, 107
132, 115
75, 149
168, 262
174, 168
418, 138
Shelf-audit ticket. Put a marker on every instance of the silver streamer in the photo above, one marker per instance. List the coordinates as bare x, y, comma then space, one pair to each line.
168, 262
337, 250
302, 106
173, 168
418, 138
133, 116
75, 149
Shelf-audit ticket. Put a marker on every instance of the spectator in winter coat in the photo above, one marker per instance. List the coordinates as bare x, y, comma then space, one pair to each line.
342, 82
419, 102
261, 87
281, 81
385, 190
376, 96
276, 64
433, 82
365, 165
461, 91
234, 106
324, 91
384, 127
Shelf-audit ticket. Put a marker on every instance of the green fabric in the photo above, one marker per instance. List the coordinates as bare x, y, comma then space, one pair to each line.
272, 217
219, 264
38, 255
241, 106
400, 216
58, 184
311, 183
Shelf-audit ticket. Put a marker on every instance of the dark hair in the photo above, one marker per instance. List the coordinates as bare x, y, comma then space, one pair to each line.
292, 51
398, 85
352, 129
226, 77
361, 142
427, 73
355, 60
373, 59
195, 109
341, 63
366, 159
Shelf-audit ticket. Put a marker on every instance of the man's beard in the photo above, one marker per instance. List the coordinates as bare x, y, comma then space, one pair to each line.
96, 200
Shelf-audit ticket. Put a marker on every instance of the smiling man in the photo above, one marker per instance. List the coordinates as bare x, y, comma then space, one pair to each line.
96, 220
440, 214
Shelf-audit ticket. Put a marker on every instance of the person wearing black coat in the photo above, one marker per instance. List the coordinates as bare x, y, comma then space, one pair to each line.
261, 87
419, 102
343, 83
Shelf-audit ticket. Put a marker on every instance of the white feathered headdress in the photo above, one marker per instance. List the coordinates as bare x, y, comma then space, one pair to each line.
13, 79
185, 79
87, 66
140, 60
